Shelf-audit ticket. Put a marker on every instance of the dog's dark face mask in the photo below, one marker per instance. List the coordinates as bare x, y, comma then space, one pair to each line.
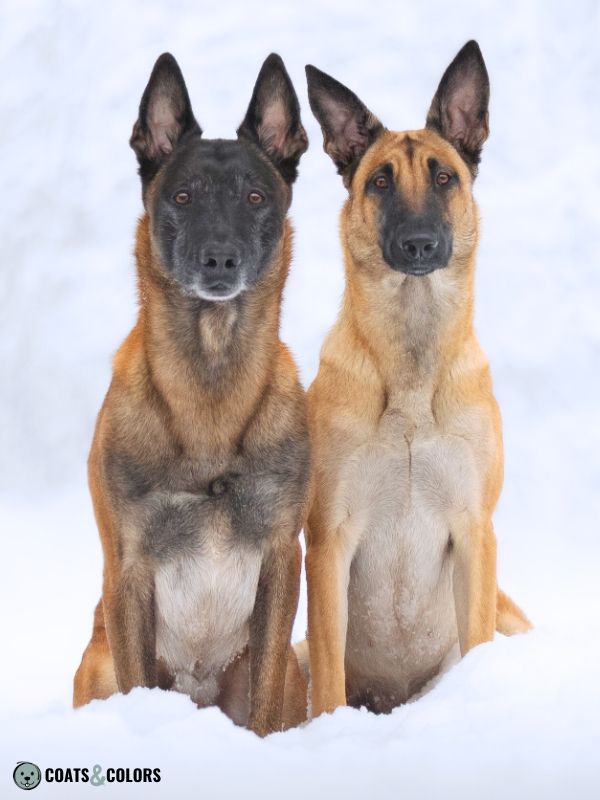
411, 207
217, 207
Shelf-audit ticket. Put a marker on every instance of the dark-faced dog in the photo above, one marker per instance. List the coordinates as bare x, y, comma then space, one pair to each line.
406, 433
199, 467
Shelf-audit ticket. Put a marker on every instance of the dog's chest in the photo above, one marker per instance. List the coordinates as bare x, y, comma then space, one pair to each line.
206, 538
204, 601
414, 480
401, 494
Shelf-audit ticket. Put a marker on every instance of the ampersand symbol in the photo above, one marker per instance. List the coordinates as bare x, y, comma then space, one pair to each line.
97, 778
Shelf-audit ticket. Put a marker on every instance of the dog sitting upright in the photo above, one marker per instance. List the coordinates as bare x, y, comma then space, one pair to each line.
406, 435
199, 466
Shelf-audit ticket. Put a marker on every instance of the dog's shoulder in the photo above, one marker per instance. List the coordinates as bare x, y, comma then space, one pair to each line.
348, 383
280, 414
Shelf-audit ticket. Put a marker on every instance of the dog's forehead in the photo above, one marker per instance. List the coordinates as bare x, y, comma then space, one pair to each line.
219, 159
410, 150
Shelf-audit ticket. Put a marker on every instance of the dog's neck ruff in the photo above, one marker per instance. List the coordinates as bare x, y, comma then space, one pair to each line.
413, 328
204, 345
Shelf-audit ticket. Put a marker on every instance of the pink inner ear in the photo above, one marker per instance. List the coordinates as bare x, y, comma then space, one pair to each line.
343, 132
274, 127
457, 123
338, 118
162, 124
461, 115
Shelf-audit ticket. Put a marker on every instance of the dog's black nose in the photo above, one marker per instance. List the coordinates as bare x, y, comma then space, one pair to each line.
419, 247
220, 257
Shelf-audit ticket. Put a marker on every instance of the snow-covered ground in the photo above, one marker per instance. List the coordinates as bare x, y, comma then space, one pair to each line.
517, 718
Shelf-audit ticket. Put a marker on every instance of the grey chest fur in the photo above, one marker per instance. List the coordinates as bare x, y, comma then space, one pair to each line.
205, 531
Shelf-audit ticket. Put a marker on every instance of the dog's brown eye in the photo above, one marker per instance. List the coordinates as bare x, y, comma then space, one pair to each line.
381, 182
442, 178
255, 198
181, 198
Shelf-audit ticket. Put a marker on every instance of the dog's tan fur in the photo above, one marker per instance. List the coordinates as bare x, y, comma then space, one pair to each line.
200, 465
408, 461
260, 405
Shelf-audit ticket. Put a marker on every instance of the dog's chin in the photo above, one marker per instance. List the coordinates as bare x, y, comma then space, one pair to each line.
217, 295
417, 270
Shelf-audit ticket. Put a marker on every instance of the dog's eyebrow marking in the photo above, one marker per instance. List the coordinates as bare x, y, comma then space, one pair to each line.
251, 177
201, 181
386, 167
209, 181
433, 165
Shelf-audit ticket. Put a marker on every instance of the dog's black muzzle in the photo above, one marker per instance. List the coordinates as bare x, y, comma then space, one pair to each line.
418, 249
220, 267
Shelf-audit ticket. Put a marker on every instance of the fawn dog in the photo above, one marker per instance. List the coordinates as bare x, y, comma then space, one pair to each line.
405, 430
200, 463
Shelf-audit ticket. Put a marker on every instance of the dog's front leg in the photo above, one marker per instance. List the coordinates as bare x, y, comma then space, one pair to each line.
128, 600
474, 583
327, 575
270, 634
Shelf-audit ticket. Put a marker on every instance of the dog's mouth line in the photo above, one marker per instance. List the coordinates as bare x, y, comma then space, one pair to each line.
218, 292
418, 273
417, 269
215, 293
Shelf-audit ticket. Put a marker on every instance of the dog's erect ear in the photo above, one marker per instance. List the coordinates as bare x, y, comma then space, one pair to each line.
165, 116
459, 110
273, 118
349, 128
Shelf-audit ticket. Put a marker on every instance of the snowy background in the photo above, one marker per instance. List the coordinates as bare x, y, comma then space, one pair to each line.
518, 717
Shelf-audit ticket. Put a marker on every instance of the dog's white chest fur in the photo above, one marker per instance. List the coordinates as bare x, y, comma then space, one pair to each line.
401, 494
203, 606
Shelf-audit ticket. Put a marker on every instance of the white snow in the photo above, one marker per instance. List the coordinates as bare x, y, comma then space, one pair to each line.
517, 718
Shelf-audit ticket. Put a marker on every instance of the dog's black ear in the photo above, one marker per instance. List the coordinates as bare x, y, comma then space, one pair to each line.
459, 110
165, 116
273, 118
349, 128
